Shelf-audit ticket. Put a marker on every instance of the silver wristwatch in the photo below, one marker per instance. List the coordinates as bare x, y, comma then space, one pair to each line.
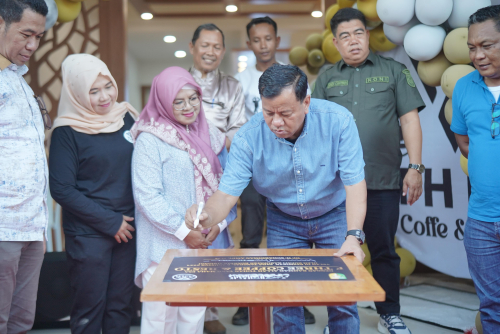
419, 167
358, 234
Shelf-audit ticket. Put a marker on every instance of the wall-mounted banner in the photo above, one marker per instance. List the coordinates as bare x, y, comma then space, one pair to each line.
433, 228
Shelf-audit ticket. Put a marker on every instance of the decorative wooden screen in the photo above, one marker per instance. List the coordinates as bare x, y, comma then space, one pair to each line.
79, 36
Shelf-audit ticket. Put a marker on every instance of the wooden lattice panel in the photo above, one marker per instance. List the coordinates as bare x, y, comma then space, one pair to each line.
79, 36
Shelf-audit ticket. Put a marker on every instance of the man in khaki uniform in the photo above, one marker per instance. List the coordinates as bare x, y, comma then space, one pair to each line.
378, 91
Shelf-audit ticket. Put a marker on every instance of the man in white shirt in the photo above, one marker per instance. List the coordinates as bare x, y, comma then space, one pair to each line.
23, 166
263, 40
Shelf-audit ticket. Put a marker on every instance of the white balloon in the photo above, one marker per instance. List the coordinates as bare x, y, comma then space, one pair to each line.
396, 12
424, 42
397, 34
355, 6
433, 13
51, 17
462, 9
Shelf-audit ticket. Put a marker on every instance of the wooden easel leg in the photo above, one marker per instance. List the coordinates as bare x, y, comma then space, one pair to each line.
260, 320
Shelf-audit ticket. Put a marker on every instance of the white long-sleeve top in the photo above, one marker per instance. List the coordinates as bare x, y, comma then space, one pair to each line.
23, 164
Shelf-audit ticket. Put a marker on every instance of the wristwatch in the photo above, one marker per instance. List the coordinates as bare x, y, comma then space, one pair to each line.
358, 234
419, 167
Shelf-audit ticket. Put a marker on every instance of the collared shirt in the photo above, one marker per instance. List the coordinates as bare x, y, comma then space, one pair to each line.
377, 93
23, 164
472, 103
305, 179
223, 100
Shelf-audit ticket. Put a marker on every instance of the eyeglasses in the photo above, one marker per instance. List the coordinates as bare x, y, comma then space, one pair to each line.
495, 126
47, 122
193, 102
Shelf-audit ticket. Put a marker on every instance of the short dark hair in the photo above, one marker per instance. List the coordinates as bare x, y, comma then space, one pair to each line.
485, 14
259, 20
345, 15
12, 10
207, 26
277, 77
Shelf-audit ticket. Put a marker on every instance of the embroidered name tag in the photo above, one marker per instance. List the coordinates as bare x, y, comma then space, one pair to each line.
337, 83
377, 79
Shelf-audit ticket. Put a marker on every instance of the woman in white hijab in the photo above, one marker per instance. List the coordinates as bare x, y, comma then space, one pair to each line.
90, 177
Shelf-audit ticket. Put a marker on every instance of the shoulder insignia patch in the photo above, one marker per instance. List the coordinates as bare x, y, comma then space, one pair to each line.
409, 79
377, 79
337, 83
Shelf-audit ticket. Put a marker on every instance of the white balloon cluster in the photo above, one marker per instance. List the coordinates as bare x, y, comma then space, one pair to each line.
421, 25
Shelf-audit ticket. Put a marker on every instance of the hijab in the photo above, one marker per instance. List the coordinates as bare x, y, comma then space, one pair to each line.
202, 141
79, 72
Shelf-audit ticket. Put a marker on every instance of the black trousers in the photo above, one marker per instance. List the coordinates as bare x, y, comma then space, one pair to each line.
253, 206
102, 280
380, 227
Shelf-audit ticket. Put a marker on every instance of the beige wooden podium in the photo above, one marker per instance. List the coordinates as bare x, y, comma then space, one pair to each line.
259, 296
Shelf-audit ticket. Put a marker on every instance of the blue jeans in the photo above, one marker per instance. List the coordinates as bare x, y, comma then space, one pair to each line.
326, 231
482, 244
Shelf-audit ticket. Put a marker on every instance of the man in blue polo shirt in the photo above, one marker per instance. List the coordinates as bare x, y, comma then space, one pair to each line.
304, 155
476, 123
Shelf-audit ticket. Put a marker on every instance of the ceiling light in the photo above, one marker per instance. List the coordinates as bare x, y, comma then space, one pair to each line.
180, 54
231, 8
242, 64
317, 13
242, 58
146, 16
169, 39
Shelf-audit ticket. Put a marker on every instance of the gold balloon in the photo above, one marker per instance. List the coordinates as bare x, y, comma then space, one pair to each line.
448, 111
464, 163
76, 0
452, 75
68, 11
379, 42
396, 245
408, 262
431, 71
479, 325
314, 41
313, 70
346, 3
326, 32
298, 56
368, 256
315, 58
369, 8
329, 50
332, 10
455, 46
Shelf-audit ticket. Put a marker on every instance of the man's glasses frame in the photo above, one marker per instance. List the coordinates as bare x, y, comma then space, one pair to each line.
47, 122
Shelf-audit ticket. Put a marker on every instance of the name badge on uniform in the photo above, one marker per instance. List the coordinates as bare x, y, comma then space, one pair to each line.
337, 83
128, 136
377, 79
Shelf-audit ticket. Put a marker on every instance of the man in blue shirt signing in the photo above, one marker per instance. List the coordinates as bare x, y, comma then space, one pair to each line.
304, 155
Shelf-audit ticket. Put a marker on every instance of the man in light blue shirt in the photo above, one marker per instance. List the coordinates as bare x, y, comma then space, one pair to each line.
305, 156
476, 123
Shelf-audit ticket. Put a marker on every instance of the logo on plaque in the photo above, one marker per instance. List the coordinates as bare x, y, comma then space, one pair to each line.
184, 277
337, 276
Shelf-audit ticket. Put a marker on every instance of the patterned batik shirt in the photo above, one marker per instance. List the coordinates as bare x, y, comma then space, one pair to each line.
23, 164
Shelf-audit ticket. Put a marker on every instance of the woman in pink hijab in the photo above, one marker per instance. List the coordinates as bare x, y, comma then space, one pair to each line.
178, 160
